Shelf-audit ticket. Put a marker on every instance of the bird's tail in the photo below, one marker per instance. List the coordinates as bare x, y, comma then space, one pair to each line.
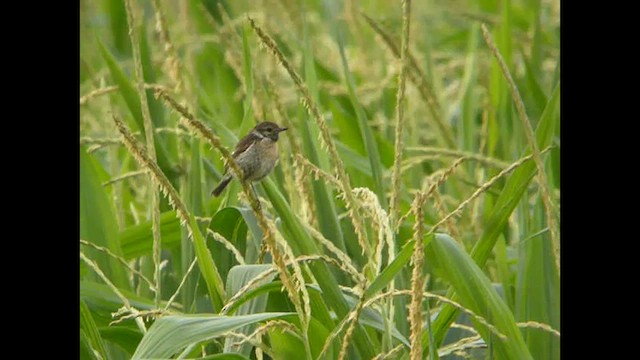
223, 184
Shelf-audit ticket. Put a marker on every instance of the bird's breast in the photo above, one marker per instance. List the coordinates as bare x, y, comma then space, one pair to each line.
267, 153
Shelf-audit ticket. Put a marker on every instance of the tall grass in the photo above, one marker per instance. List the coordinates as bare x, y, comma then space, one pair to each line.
414, 210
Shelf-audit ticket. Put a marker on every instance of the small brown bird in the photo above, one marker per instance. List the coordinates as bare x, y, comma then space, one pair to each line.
256, 154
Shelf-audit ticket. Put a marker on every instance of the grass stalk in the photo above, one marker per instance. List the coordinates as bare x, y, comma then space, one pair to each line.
171, 62
417, 279
151, 149
115, 290
312, 108
120, 260
418, 78
159, 179
400, 103
531, 139
268, 233
482, 189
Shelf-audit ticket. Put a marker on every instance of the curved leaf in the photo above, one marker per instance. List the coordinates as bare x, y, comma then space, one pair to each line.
170, 334
475, 291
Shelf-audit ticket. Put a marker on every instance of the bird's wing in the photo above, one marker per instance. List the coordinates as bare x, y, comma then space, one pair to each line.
245, 144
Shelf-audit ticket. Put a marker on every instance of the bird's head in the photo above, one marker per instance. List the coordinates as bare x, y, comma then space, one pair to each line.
269, 129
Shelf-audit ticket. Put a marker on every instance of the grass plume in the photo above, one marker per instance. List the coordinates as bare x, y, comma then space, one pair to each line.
417, 279
149, 136
419, 79
531, 139
400, 104
312, 108
159, 179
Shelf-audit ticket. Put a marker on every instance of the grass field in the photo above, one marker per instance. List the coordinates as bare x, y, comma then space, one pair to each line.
414, 212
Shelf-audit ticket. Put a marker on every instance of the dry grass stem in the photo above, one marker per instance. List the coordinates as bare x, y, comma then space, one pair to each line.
391, 354
316, 171
483, 188
443, 299
344, 260
538, 325
417, 279
160, 180
461, 345
115, 290
144, 314
228, 245
355, 314
96, 93
151, 149
434, 183
120, 260
304, 187
171, 62
182, 282
419, 80
458, 153
400, 104
370, 202
310, 105
124, 177
537, 155
268, 233
283, 325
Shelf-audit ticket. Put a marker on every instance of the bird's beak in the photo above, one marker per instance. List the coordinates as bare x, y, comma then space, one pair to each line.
282, 129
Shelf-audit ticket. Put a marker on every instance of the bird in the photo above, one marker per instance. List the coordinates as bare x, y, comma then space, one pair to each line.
256, 155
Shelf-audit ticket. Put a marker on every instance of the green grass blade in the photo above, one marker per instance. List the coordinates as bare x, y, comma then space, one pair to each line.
389, 273
371, 147
538, 291
131, 98
475, 291
325, 278
97, 219
137, 240
238, 277
513, 190
324, 199
170, 334
89, 330
229, 223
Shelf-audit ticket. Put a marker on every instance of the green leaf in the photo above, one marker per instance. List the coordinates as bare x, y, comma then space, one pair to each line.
371, 147
208, 268
230, 356
137, 240
538, 290
97, 219
238, 277
288, 346
323, 197
513, 190
131, 98
100, 297
229, 223
89, 330
475, 292
390, 272
125, 337
172, 333
125, 88
325, 278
